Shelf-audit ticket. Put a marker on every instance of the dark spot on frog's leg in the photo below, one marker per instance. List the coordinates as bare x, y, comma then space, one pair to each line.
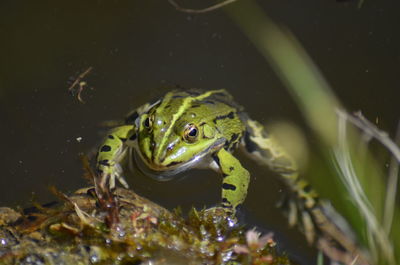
123, 139
227, 186
226, 203
195, 106
105, 148
231, 169
168, 106
224, 175
110, 137
133, 137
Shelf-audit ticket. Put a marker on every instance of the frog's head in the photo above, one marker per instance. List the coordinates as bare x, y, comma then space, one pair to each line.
174, 140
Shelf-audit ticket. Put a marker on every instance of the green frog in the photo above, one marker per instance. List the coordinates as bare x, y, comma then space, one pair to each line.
195, 129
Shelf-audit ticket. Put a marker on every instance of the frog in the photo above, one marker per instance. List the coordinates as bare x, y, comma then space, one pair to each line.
193, 128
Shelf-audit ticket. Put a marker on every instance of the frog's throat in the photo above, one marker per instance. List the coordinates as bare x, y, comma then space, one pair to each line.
177, 167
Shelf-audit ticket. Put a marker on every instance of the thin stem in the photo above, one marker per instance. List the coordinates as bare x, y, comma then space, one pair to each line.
350, 178
369, 128
391, 188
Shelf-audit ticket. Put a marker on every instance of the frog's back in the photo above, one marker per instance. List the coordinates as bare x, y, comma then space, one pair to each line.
209, 104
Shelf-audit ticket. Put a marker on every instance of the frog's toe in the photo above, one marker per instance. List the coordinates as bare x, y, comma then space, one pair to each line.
122, 180
117, 174
292, 213
299, 214
308, 226
291, 208
109, 173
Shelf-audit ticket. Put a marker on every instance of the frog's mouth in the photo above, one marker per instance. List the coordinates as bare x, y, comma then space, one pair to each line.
168, 172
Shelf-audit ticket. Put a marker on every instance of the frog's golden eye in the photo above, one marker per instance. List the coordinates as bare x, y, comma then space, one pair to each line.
191, 132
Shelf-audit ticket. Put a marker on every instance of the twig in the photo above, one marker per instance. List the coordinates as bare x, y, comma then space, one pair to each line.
369, 128
82, 84
204, 10
376, 233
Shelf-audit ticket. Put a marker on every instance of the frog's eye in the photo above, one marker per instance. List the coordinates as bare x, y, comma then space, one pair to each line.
148, 122
191, 132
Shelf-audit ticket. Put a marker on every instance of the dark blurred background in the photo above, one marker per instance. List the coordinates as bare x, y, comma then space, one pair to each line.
139, 49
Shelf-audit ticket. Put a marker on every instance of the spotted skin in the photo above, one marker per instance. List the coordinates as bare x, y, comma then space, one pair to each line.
111, 152
195, 128
235, 180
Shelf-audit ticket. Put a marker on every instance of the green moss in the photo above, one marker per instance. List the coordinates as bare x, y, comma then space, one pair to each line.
145, 232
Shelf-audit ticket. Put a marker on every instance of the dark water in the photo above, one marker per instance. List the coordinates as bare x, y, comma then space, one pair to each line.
137, 49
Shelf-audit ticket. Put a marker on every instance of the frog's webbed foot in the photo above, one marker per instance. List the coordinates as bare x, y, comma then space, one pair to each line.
109, 172
299, 214
111, 153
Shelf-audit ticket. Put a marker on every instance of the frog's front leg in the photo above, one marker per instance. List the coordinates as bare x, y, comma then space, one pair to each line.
235, 181
110, 154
